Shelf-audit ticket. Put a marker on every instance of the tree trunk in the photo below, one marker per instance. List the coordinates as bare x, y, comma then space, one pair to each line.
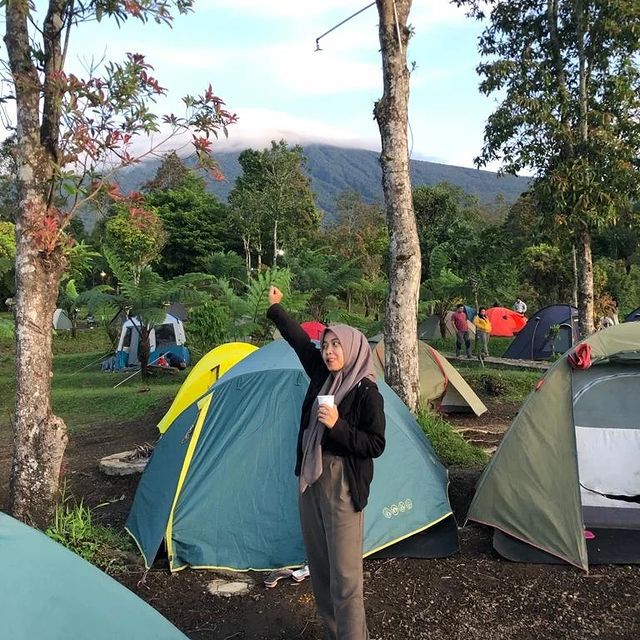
40, 438
391, 113
575, 277
275, 243
145, 350
585, 284
246, 243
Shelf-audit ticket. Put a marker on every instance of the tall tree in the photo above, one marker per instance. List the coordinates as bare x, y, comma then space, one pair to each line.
68, 129
194, 222
568, 78
272, 202
391, 113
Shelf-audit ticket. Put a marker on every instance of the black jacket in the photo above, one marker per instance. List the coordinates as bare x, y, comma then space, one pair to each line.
358, 435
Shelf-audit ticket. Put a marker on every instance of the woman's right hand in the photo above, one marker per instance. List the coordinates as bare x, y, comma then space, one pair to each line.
275, 295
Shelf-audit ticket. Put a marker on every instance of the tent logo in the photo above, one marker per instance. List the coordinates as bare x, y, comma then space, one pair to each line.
395, 509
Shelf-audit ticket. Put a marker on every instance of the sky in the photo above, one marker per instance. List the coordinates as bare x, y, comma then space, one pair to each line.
259, 56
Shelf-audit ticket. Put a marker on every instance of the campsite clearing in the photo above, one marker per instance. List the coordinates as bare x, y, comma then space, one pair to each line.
474, 594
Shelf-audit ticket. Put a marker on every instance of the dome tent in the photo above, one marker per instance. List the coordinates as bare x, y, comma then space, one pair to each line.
505, 323
569, 461
440, 383
634, 316
163, 338
429, 329
535, 342
49, 592
220, 490
206, 372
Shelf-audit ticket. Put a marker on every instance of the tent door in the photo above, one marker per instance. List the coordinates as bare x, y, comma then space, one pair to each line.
606, 407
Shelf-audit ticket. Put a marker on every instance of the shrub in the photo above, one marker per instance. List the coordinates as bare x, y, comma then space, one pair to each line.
450, 446
209, 326
73, 527
493, 384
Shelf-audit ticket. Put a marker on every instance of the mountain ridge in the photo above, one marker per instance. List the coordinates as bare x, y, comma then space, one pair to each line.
334, 169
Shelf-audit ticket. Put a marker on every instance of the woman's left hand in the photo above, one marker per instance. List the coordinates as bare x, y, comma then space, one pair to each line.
328, 416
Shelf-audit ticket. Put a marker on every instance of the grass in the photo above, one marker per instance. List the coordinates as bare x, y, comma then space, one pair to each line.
86, 397
499, 385
497, 346
104, 547
450, 446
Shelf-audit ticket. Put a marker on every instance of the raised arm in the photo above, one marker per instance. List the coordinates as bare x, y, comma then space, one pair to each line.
292, 332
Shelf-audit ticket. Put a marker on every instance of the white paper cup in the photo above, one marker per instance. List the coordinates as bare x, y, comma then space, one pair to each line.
327, 400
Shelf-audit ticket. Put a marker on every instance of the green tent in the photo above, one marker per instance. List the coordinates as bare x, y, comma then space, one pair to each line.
50, 593
441, 385
219, 488
568, 468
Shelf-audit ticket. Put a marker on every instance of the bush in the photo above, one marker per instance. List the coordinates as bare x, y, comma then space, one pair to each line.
494, 385
73, 527
209, 326
450, 446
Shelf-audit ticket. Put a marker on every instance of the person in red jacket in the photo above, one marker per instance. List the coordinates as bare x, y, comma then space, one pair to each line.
461, 325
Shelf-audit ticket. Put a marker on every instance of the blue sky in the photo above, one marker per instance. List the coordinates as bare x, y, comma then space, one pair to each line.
259, 57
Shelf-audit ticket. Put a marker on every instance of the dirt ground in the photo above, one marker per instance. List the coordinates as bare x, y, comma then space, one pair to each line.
472, 595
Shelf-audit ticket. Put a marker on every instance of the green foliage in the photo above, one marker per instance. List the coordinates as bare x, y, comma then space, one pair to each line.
209, 326
137, 240
568, 81
272, 202
369, 326
228, 265
256, 301
450, 446
548, 272
80, 259
194, 221
7, 257
503, 385
73, 527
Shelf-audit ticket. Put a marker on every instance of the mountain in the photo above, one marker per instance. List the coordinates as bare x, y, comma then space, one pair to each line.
336, 169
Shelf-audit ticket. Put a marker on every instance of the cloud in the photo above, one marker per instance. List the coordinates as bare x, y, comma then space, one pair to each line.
257, 127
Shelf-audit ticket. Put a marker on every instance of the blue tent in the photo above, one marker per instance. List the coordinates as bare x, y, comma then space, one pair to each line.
634, 316
53, 594
534, 342
219, 488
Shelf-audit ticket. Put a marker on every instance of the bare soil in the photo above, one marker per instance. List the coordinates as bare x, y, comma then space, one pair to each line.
474, 595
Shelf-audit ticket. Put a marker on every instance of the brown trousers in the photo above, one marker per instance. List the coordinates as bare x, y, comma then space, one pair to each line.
332, 532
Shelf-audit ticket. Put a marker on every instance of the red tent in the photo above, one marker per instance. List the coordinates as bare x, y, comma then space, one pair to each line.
313, 329
505, 322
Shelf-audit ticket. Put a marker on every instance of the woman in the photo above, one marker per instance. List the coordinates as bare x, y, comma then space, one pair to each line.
483, 330
336, 447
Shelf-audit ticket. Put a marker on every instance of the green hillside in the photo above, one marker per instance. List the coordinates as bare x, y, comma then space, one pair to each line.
337, 169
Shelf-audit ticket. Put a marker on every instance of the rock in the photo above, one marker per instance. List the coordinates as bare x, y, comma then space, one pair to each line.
122, 464
228, 589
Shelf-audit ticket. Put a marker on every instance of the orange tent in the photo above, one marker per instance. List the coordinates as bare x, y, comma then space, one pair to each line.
505, 323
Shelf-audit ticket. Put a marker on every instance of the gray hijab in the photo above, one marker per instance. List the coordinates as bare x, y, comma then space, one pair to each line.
358, 364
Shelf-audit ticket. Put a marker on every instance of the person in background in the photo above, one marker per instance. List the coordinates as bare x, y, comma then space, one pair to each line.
336, 447
483, 330
461, 325
519, 307
613, 312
